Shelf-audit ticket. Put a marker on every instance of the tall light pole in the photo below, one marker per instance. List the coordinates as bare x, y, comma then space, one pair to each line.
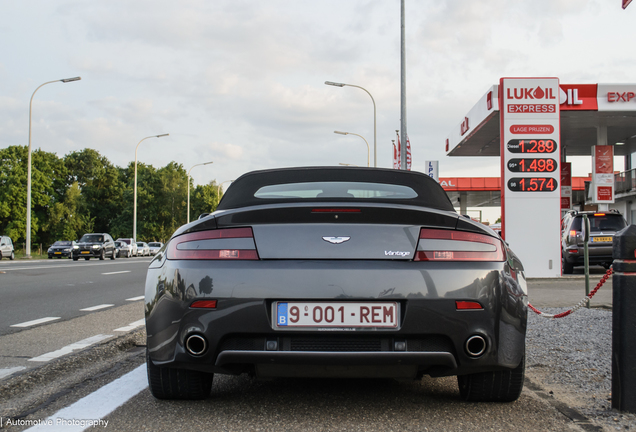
205, 163
375, 141
218, 188
351, 133
28, 205
135, 186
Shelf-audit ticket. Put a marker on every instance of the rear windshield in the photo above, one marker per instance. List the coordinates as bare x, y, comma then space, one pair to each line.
335, 190
608, 222
92, 238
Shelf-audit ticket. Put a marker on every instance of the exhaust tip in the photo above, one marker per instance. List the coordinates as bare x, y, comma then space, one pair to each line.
196, 344
475, 345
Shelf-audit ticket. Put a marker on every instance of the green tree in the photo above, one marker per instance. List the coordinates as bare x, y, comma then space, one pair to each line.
47, 187
204, 199
68, 220
101, 184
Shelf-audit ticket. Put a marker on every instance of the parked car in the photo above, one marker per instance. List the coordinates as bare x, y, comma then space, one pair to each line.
6, 248
603, 226
143, 248
131, 242
123, 249
62, 249
95, 245
154, 247
336, 272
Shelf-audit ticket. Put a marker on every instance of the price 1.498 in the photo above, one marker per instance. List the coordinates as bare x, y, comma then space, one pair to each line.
532, 165
532, 184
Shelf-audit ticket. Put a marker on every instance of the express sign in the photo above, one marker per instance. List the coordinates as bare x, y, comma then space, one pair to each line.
530, 160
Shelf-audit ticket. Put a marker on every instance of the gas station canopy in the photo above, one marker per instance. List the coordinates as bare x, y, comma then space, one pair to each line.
587, 110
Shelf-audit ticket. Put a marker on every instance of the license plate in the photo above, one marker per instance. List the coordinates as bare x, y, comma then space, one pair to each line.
336, 314
85, 252
601, 239
57, 253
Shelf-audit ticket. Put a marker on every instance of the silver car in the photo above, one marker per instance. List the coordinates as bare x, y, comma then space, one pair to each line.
6, 248
155, 247
143, 249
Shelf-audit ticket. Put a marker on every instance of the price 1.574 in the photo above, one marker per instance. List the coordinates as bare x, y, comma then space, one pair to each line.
532, 184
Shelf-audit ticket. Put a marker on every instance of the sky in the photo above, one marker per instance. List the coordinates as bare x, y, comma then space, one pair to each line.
241, 83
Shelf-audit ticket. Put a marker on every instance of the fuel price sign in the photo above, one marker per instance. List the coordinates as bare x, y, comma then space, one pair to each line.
532, 165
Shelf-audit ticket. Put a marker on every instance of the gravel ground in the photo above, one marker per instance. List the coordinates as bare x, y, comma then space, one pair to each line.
570, 359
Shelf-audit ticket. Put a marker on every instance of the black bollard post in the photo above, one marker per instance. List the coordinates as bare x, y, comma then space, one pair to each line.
624, 321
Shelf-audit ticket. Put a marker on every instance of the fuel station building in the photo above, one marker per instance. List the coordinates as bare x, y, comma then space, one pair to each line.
533, 125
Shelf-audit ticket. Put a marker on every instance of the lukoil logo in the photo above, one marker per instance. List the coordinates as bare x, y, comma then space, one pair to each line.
530, 93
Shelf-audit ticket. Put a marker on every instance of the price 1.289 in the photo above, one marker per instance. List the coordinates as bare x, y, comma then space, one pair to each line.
531, 146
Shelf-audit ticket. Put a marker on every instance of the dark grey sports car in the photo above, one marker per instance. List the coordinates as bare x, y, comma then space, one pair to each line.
336, 272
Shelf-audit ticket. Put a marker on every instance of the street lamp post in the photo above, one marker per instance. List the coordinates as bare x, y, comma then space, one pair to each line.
375, 141
218, 188
205, 163
135, 186
28, 205
351, 133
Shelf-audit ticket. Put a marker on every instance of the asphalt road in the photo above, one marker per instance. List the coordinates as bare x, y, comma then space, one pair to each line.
39, 289
47, 373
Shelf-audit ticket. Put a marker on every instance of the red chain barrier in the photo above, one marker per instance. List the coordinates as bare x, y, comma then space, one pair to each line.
586, 299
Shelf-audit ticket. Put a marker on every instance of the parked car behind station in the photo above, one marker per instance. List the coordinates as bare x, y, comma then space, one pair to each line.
603, 226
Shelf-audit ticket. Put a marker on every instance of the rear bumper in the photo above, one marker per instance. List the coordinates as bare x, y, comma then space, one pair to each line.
597, 255
239, 333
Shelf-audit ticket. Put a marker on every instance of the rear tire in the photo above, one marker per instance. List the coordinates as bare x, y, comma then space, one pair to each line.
75, 258
499, 386
113, 255
101, 255
12, 256
171, 383
567, 267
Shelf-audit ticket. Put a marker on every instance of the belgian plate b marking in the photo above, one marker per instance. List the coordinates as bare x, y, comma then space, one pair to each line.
336, 240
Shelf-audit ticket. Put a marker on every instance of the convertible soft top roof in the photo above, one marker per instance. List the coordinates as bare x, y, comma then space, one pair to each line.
242, 191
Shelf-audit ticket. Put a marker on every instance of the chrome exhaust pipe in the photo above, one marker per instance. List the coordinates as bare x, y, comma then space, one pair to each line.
196, 344
475, 345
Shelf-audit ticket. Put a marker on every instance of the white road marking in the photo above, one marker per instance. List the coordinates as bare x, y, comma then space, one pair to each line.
135, 298
117, 272
70, 348
94, 308
9, 371
7, 266
36, 322
98, 404
132, 326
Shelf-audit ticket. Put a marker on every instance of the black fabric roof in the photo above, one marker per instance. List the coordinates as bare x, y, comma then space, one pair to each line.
241, 191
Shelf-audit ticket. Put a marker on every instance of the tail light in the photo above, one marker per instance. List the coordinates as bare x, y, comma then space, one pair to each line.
221, 244
449, 245
574, 233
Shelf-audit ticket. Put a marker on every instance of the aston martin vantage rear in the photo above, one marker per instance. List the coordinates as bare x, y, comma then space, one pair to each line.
336, 272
